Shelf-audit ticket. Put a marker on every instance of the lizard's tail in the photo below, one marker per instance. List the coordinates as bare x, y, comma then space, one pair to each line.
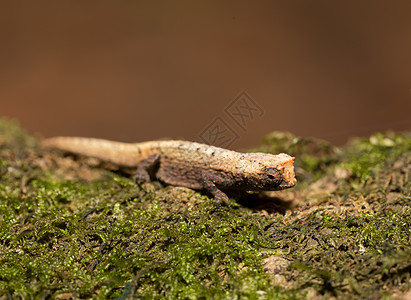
122, 154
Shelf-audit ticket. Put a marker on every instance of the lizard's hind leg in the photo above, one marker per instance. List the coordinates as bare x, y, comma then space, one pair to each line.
147, 168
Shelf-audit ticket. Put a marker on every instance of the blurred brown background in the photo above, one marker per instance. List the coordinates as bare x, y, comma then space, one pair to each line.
134, 71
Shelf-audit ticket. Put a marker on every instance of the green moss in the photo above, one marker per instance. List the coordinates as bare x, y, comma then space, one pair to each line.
365, 157
67, 228
14, 136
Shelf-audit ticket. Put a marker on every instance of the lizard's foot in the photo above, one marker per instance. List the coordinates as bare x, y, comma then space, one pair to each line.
142, 175
215, 191
218, 197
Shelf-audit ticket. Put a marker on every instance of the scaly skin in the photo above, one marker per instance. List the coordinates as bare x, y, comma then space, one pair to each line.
189, 164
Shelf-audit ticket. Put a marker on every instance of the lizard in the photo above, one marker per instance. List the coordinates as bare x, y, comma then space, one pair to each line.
188, 164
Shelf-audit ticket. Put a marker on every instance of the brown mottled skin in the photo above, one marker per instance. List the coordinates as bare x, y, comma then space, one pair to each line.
189, 164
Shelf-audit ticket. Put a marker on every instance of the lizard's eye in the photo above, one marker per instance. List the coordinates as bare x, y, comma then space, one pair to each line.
273, 177
272, 174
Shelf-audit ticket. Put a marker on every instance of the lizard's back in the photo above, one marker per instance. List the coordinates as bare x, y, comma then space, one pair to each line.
130, 154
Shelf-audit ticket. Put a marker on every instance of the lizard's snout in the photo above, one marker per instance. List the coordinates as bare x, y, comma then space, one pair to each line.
287, 171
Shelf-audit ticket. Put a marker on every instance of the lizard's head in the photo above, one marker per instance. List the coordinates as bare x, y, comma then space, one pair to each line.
275, 172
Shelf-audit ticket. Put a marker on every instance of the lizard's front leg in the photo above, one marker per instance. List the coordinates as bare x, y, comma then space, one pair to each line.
145, 166
210, 186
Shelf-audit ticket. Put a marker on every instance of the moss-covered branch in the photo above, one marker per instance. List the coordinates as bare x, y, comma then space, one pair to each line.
71, 229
